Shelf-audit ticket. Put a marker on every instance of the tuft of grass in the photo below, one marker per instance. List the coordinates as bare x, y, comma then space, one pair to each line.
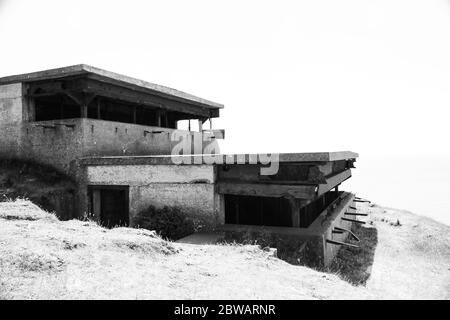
145, 247
29, 261
72, 245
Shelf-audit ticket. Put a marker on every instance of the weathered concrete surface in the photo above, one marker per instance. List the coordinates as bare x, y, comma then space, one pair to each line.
189, 187
61, 142
327, 221
109, 138
298, 172
196, 200
11, 109
56, 143
135, 175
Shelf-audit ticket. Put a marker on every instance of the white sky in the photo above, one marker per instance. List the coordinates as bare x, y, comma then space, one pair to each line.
295, 76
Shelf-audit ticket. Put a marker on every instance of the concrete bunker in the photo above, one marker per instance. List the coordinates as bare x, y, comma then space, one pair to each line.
113, 135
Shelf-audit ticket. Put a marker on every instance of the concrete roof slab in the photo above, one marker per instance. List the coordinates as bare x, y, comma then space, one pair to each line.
110, 77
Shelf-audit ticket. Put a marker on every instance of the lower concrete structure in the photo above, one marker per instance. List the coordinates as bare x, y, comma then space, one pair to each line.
315, 245
300, 201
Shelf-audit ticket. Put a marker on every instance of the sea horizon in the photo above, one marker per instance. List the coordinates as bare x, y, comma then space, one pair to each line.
418, 184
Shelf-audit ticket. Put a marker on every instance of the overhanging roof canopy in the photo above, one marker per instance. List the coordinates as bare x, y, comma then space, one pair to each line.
89, 79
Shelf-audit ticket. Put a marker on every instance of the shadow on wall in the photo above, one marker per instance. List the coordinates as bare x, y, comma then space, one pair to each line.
46, 187
355, 264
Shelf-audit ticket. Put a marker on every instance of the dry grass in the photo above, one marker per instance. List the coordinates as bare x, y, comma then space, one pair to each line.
412, 258
355, 264
43, 258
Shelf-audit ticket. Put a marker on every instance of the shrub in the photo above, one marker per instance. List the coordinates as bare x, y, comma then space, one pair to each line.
289, 249
169, 222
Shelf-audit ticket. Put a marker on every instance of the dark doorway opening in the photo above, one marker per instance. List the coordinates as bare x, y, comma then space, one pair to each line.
110, 205
262, 211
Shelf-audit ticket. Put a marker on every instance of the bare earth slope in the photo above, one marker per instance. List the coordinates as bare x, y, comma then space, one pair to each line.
43, 258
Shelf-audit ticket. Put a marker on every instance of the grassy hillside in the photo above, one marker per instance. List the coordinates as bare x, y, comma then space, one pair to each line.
44, 258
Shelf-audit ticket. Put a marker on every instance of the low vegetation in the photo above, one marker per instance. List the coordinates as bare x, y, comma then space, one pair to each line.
169, 222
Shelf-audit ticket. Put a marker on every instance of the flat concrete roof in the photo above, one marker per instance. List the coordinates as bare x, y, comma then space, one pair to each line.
107, 76
200, 159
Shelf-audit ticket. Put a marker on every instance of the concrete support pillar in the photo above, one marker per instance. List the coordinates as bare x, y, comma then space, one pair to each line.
84, 110
30, 110
134, 115
96, 204
98, 109
159, 118
295, 212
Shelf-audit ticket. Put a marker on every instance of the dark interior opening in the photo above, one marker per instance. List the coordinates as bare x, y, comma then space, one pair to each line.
60, 106
268, 211
110, 205
262, 211
56, 107
147, 116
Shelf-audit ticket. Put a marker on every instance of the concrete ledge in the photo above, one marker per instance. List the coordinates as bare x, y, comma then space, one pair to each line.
223, 158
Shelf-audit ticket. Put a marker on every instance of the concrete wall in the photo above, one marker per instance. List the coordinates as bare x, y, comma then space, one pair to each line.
324, 225
190, 187
53, 143
138, 175
60, 142
109, 138
21, 139
196, 200
11, 114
